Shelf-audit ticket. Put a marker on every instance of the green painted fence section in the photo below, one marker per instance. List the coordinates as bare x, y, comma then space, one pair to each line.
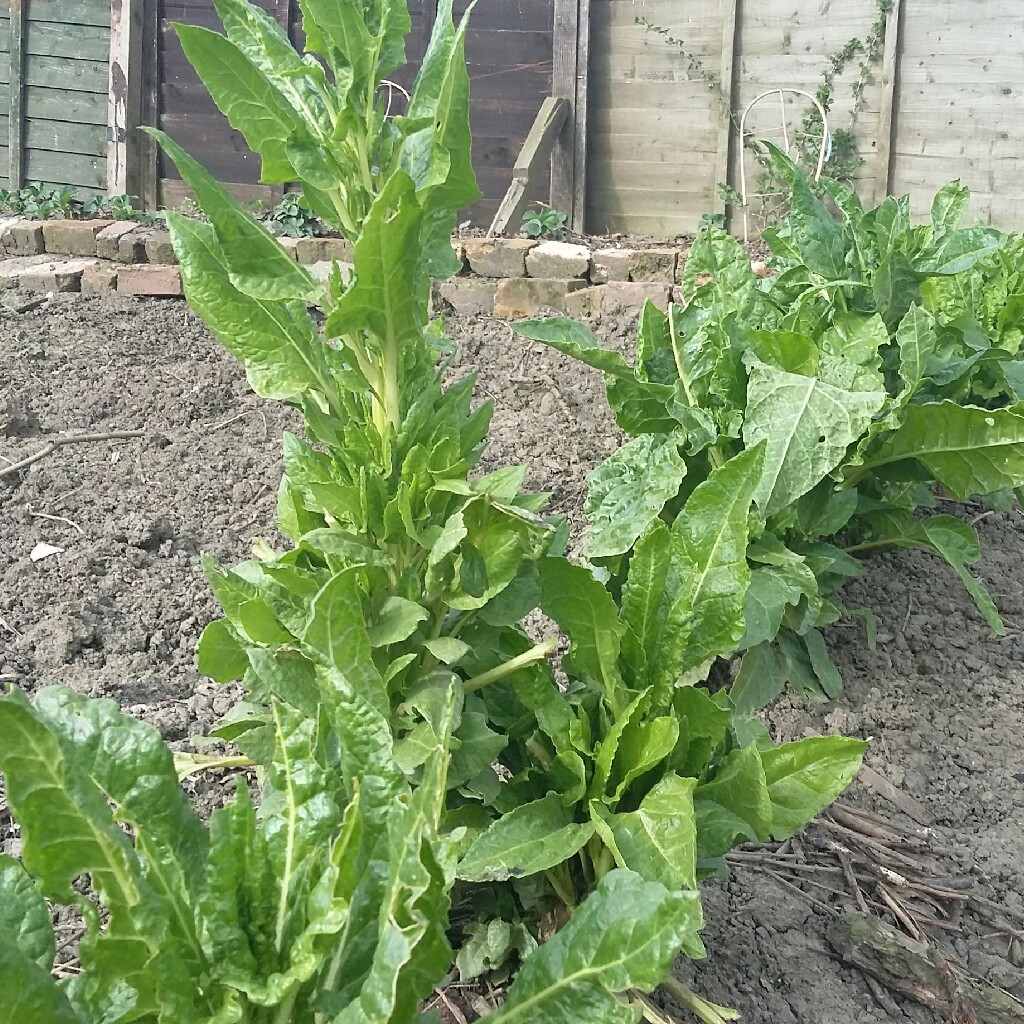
59, 85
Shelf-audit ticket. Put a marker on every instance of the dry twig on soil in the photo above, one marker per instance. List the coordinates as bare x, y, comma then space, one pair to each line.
59, 442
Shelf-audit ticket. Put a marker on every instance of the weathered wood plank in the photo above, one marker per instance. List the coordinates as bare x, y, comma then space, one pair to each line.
150, 112
580, 121
73, 75
84, 42
16, 96
71, 12
124, 98
65, 137
57, 105
882, 169
69, 168
536, 153
725, 78
4, 164
563, 84
174, 192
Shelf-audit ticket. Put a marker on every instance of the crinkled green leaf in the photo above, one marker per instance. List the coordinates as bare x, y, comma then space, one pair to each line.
804, 777
807, 424
275, 341
624, 935
24, 916
248, 99
733, 807
702, 611
256, 264
533, 837
967, 449
397, 621
645, 584
628, 491
586, 612
659, 839
30, 993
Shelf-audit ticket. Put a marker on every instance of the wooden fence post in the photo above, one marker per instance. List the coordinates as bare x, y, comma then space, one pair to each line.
725, 79
124, 99
571, 58
16, 105
882, 177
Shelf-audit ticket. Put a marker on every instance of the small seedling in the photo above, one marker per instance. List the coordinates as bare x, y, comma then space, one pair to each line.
544, 222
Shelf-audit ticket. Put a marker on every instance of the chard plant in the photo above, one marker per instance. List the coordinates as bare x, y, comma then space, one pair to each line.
422, 778
882, 362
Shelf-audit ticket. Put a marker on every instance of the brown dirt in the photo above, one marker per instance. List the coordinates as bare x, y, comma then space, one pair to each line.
118, 613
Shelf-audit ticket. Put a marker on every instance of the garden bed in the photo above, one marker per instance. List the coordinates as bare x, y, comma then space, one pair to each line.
119, 610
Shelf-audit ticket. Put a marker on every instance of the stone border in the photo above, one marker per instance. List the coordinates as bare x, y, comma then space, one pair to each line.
501, 277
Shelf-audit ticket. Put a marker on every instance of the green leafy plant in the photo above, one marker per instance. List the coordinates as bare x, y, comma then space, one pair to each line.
328, 903
859, 369
544, 222
293, 219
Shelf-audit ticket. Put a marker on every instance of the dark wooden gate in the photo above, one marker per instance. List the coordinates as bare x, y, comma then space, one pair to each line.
508, 52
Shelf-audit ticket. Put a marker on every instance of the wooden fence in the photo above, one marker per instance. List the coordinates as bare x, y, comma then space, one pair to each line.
54, 86
945, 100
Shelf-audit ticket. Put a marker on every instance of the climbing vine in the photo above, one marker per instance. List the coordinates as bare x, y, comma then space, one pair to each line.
843, 158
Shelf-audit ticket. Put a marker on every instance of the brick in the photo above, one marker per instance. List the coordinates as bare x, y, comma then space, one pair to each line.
558, 259
526, 296
149, 279
99, 279
159, 249
468, 296
11, 269
310, 250
339, 249
22, 238
131, 247
586, 302
107, 240
290, 245
460, 252
653, 265
56, 276
72, 237
498, 257
620, 296
610, 265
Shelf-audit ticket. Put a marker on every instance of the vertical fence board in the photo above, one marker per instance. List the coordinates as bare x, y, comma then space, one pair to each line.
725, 131
882, 171
563, 85
124, 97
16, 97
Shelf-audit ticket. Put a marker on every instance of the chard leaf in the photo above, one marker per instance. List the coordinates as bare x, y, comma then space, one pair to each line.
645, 584
644, 745
576, 341
856, 338
659, 840
804, 777
335, 636
701, 616
969, 450
771, 591
703, 726
339, 32
248, 99
586, 612
384, 298
949, 207
762, 674
24, 916
916, 340
397, 621
31, 995
785, 350
624, 935
814, 231
275, 341
717, 254
256, 264
220, 654
628, 491
807, 424
735, 806
534, 837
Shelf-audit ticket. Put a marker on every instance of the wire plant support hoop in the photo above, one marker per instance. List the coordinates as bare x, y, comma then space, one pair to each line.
824, 149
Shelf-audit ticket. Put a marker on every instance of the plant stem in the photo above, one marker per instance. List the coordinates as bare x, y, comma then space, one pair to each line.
284, 1009
536, 653
560, 881
710, 1013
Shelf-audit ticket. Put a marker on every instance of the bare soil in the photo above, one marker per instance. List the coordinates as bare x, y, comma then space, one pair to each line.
119, 610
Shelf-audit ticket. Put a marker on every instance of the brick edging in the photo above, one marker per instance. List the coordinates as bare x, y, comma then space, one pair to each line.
503, 277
